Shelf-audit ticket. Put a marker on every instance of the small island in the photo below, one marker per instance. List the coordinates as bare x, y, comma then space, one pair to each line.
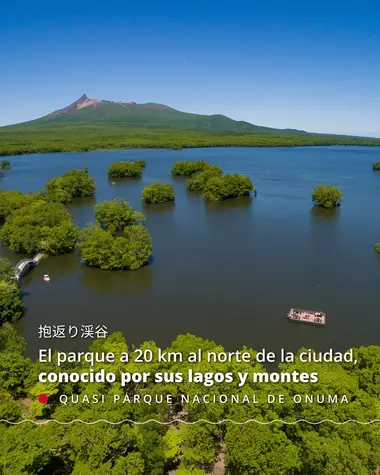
40, 226
377, 247
126, 169
227, 186
158, 193
115, 215
72, 184
105, 245
5, 164
188, 168
376, 166
198, 181
327, 196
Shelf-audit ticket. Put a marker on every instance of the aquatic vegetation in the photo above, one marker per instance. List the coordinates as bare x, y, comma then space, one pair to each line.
198, 181
327, 196
12, 200
125, 169
116, 215
188, 168
40, 226
158, 193
5, 164
72, 184
376, 166
227, 186
142, 163
377, 247
100, 248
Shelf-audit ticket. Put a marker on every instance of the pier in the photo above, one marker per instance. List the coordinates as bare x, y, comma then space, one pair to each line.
23, 266
307, 316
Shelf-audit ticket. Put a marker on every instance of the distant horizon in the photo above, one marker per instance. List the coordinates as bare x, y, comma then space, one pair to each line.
275, 65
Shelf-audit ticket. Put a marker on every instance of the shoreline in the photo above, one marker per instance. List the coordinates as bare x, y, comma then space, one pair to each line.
186, 147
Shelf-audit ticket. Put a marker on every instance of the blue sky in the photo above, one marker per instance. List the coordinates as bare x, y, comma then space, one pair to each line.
307, 65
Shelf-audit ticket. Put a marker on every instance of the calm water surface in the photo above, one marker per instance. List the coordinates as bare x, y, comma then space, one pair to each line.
226, 271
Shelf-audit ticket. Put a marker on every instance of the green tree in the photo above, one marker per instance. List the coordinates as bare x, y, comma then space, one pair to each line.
5, 164
14, 369
7, 271
10, 341
9, 409
377, 247
72, 184
41, 226
11, 305
12, 200
198, 181
158, 193
125, 170
131, 464
187, 168
253, 449
327, 196
227, 186
116, 215
141, 163
99, 248
376, 166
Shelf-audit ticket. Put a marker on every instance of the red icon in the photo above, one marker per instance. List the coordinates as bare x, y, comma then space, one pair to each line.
43, 398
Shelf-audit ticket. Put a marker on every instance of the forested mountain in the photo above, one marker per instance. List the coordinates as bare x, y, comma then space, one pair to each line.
93, 124
150, 115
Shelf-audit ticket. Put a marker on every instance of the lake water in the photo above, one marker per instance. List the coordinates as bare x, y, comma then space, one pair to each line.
225, 271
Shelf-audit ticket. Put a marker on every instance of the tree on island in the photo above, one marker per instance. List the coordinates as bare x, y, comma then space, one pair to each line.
40, 226
141, 163
116, 215
13, 200
125, 170
227, 186
377, 247
158, 193
326, 196
199, 180
376, 166
188, 168
72, 184
5, 164
100, 248
11, 305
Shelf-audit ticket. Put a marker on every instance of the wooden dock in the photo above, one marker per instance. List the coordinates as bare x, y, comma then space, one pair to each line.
307, 316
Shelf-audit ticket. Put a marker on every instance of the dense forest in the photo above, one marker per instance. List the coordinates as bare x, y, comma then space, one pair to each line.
18, 140
155, 449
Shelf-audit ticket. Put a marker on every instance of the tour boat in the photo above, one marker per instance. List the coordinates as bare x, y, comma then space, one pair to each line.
46, 278
307, 316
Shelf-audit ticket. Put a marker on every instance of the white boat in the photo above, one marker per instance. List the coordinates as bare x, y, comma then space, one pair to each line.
46, 278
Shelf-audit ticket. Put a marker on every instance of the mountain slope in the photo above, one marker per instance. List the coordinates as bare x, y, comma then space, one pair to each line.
93, 124
150, 115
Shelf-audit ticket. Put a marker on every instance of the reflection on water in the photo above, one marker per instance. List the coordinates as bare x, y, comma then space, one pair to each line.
158, 207
79, 203
322, 214
229, 205
116, 282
